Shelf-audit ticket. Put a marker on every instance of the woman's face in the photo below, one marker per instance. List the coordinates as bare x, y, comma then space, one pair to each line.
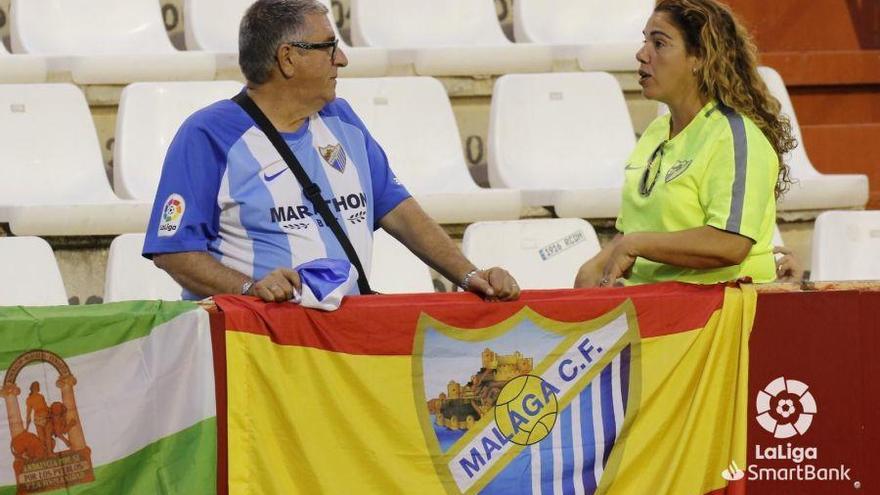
666, 71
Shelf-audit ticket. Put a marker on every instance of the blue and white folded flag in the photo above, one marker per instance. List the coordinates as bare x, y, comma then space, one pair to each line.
325, 282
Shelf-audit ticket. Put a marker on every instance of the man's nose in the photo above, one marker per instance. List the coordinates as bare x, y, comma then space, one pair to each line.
340, 59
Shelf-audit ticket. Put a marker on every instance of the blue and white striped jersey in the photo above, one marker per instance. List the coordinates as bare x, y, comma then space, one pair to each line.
225, 190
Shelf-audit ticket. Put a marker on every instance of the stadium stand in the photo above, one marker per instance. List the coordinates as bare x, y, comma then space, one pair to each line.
563, 138
448, 38
21, 68
846, 246
104, 41
601, 36
52, 179
212, 25
149, 116
132, 277
813, 190
539, 253
30, 273
396, 270
412, 119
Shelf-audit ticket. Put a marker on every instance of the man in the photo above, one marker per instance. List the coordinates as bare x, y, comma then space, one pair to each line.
229, 215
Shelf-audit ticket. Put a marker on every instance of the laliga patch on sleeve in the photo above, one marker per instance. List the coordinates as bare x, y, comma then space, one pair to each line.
172, 213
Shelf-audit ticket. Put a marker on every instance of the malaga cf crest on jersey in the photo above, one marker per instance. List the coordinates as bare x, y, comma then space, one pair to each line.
334, 155
530, 405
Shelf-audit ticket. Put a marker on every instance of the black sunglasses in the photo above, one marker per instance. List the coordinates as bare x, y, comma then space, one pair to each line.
646, 186
305, 45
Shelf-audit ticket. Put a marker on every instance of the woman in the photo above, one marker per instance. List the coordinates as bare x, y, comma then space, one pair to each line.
699, 198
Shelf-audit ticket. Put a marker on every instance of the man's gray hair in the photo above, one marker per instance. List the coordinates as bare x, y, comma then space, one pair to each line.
265, 25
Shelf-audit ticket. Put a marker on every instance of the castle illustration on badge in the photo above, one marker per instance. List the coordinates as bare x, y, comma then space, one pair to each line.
508, 408
48, 445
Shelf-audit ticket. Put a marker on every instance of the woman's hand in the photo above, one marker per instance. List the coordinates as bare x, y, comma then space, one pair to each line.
788, 267
620, 261
590, 274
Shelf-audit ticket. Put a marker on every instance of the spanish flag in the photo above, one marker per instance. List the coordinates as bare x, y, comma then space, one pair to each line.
640, 390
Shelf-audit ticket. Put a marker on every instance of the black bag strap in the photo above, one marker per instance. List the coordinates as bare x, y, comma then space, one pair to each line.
310, 189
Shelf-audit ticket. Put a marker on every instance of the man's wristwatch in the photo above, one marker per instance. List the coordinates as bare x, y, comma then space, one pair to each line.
246, 287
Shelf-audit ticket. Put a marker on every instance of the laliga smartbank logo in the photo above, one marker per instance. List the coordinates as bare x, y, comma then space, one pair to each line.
786, 408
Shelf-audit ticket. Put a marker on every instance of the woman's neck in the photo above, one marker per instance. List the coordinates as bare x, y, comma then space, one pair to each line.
683, 111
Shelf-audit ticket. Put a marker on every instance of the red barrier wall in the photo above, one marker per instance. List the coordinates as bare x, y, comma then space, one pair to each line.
828, 341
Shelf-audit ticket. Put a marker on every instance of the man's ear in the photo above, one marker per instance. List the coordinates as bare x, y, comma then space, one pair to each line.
283, 56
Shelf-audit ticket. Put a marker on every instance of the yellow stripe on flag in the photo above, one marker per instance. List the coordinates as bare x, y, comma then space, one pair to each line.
693, 408
291, 425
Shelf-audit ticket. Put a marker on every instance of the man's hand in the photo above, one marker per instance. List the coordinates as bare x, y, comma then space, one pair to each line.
494, 284
788, 267
277, 286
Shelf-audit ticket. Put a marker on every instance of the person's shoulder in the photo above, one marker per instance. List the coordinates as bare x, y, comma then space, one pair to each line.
340, 108
735, 126
222, 120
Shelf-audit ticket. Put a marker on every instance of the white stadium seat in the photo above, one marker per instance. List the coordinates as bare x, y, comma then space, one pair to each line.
412, 120
21, 68
149, 116
52, 179
541, 254
131, 277
445, 38
563, 139
395, 269
813, 190
212, 25
104, 41
601, 35
846, 246
30, 273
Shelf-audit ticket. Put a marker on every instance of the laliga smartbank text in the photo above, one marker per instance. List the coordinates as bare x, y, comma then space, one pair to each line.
804, 465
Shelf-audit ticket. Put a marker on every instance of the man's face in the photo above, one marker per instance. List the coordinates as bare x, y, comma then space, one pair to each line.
314, 72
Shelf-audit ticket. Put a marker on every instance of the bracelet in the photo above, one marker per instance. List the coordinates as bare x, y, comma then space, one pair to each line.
466, 281
246, 287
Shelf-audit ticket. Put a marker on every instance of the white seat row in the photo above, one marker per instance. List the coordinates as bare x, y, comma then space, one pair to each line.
554, 140
112, 42
541, 254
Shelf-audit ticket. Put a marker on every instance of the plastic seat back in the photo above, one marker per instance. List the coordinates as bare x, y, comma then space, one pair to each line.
88, 27
540, 254
30, 273
149, 116
797, 159
49, 151
558, 131
580, 21
424, 23
130, 276
395, 270
846, 246
412, 120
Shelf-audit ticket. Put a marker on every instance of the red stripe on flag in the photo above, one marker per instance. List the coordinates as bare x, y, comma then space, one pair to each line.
384, 325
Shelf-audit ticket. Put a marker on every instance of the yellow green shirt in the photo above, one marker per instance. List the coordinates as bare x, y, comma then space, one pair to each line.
720, 171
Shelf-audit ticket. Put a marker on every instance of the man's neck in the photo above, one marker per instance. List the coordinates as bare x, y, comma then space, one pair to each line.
683, 112
284, 110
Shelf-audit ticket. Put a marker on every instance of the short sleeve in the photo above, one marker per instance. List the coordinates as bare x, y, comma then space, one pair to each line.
185, 215
737, 188
388, 191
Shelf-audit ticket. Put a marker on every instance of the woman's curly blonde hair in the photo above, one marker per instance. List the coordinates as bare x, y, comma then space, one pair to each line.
728, 71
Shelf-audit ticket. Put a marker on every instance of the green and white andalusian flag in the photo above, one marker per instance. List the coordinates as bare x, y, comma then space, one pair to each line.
113, 398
